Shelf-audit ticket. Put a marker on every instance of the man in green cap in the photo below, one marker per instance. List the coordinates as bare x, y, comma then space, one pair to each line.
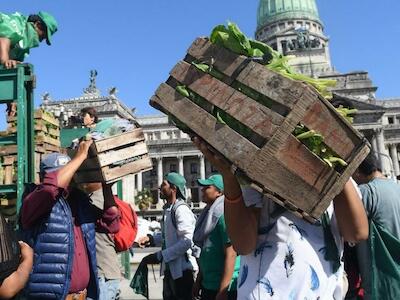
218, 261
18, 34
175, 239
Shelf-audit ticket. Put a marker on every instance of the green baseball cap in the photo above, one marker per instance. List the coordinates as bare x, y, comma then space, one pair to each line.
215, 180
51, 25
179, 181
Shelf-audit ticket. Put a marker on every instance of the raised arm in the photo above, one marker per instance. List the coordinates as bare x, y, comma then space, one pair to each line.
39, 202
66, 173
350, 214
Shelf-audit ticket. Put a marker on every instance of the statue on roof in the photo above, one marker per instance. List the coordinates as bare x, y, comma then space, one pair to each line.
92, 88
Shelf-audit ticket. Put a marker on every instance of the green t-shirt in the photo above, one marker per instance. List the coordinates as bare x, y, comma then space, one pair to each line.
21, 34
212, 258
381, 201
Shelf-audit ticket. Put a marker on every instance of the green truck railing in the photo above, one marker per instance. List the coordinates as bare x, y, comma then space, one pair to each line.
16, 85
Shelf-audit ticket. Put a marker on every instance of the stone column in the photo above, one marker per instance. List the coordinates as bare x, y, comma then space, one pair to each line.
202, 167
180, 166
160, 175
374, 143
139, 181
128, 188
381, 148
395, 159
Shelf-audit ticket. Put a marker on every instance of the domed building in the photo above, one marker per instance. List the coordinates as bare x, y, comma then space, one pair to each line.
293, 27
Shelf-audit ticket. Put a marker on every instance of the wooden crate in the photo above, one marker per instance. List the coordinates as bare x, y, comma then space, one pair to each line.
8, 156
38, 115
40, 127
276, 162
115, 157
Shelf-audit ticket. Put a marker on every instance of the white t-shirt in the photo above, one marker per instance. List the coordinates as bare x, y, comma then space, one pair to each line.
288, 262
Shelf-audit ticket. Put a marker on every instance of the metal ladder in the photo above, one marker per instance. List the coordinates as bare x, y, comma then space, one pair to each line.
16, 85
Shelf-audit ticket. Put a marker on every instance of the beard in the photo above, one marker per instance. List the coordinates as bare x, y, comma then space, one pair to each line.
163, 196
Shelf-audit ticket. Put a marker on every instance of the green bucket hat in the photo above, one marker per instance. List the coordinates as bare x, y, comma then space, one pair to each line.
51, 25
179, 181
215, 180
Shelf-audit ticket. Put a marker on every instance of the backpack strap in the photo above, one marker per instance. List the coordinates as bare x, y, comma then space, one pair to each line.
173, 211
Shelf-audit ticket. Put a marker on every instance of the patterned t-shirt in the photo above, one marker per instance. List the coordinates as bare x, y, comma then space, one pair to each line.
288, 262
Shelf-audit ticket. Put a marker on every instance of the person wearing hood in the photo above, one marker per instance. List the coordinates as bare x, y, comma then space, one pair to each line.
177, 227
218, 262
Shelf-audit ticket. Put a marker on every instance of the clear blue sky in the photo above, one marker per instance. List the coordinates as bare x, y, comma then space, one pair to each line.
134, 43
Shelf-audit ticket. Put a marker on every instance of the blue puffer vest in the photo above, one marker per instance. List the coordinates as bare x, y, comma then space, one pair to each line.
53, 244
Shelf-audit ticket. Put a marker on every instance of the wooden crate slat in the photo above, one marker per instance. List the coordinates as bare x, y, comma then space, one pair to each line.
38, 127
358, 158
132, 136
111, 174
8, 164
50, 148
38, 115
8, 202
337, 135
48, 140
108, 174
271, 84
278, 180
109, 157
249, 112
43, 122
118, 148
54, 132
302, 162
8, 150
278, 88
224, 60
200, 121
41, 115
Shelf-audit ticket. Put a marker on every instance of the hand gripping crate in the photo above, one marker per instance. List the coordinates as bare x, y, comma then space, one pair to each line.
114, 157
273, 159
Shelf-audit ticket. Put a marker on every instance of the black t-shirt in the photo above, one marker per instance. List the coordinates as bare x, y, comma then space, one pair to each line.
10, 251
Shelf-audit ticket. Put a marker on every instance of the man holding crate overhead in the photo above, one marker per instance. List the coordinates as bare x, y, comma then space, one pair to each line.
59, 222
283, 256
